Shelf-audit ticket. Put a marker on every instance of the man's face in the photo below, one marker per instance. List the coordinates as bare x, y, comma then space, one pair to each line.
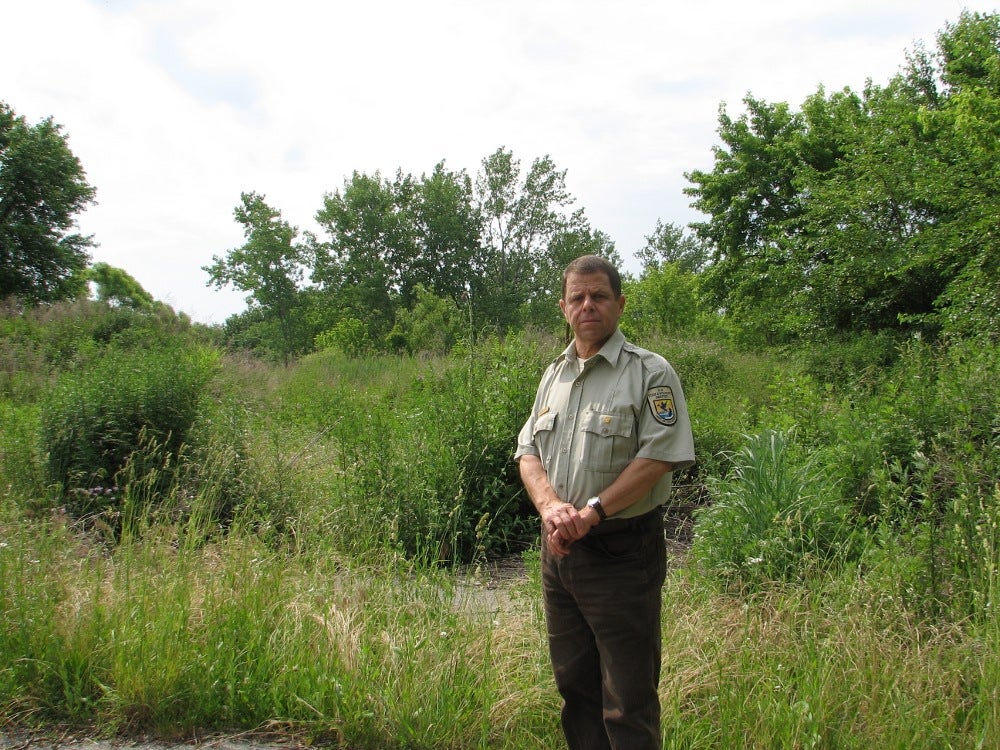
591, 309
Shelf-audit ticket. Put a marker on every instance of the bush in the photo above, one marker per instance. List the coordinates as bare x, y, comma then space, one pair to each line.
96, 417
769, 520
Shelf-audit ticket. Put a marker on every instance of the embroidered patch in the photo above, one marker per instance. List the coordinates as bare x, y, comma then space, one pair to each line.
661, 403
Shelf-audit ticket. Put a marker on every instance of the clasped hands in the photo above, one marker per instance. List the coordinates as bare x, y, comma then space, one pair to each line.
562, 525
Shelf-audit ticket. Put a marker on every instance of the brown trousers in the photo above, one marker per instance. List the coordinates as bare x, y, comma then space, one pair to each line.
602, 610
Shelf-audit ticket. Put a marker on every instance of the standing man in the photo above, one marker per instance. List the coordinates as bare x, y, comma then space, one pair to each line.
608, 427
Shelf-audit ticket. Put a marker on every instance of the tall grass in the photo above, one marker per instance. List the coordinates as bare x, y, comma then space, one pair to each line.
176, 639
180, 638
281, 571
832, 665
771, 520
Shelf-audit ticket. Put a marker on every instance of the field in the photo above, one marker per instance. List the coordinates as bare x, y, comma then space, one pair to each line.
315, 560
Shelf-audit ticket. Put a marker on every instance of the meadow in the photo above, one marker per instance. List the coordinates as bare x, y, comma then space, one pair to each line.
201, 542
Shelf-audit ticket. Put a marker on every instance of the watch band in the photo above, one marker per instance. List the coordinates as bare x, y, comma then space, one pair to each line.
595, 503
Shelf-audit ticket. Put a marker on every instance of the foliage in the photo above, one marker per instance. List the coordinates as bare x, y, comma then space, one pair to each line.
98, 416
422, 448
862, 212
117, 287
527, 232
21, 466
493, 247
666, 300
370, 243
670, 243
39, 341
770, 520
42, 189
349, 336
434, 325
269, 268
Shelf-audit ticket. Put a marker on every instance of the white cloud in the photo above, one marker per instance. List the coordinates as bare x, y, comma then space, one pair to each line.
176, 106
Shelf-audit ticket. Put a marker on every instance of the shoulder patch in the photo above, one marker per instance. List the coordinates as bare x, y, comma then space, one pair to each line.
661, 404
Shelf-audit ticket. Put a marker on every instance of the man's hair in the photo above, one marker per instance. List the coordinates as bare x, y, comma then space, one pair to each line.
594, 264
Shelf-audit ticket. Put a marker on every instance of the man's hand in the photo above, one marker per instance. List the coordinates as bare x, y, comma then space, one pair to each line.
562, 524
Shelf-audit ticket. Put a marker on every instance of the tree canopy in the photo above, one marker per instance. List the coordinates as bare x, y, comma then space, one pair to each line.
42, 189
269, 268
864, 212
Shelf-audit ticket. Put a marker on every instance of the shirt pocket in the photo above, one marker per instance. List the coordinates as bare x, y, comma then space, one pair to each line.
608, 440
543, 432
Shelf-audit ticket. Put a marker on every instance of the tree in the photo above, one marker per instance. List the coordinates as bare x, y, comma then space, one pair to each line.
434, 324
370, 241
42, 189
750, 196
118, 288
447, 232
520, 220
269, 267
664, 300
670, 243
864, 212
969, 140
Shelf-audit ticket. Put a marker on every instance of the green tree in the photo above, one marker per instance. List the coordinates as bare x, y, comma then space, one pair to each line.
664, 300
118, 288
864, 212
968, 138
520, 220
269, 267
750, 196
446, 229
670, 243
370, 240
434, 324
42, 189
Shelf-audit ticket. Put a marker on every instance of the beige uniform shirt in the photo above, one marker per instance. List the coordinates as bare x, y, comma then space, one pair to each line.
586, 427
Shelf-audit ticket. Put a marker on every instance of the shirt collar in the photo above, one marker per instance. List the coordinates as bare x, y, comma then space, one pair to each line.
611, 350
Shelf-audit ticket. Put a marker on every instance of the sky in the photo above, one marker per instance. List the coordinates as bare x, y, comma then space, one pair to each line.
176, 107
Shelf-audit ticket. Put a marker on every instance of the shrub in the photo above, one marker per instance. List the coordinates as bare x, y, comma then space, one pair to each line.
769, 520
437, 462
97, 416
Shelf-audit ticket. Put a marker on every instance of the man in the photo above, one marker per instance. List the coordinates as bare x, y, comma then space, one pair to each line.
608, 427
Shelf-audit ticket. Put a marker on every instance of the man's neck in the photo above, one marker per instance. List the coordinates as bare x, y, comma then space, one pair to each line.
586, 352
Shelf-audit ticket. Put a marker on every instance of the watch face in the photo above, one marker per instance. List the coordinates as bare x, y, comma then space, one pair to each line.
595, 503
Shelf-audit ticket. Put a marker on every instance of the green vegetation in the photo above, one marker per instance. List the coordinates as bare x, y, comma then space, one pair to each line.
289, 526
314, 560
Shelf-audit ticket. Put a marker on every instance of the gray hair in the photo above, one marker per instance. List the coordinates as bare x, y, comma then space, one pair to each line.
586, 264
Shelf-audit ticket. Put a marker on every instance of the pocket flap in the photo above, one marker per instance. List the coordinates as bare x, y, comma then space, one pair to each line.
602, 423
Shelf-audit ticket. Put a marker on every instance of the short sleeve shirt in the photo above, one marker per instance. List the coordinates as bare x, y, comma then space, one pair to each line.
586, 427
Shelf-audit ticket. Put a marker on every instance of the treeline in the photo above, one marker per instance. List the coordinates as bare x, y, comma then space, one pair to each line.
859, 213
867, 211
409, 263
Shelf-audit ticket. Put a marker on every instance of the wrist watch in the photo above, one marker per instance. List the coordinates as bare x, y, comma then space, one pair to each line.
595, 503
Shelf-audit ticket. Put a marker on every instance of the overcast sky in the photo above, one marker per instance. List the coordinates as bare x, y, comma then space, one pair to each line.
175, 107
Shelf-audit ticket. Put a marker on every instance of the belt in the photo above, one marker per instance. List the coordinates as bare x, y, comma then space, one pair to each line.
646, 522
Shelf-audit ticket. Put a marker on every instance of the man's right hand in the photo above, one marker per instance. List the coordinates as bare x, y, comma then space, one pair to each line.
563, 524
